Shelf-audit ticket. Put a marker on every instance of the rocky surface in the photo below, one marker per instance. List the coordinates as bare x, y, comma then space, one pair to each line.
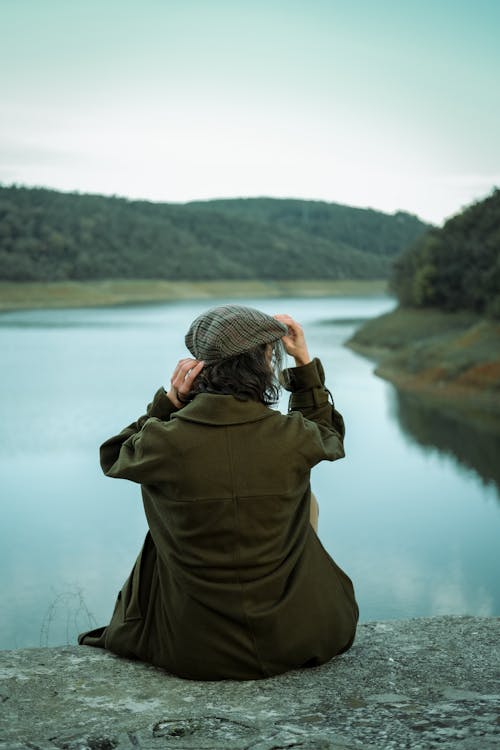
419, 684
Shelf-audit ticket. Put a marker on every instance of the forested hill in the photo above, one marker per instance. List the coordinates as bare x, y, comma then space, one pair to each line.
456, 267
48, 236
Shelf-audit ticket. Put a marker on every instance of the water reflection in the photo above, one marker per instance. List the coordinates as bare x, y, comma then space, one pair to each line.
473, 448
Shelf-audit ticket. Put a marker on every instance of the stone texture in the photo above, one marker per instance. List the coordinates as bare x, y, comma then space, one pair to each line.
419, 684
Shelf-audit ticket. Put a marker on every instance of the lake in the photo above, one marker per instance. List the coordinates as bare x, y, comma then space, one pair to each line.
412, 514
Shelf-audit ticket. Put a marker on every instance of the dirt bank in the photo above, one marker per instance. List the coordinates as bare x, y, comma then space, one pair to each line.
450, 360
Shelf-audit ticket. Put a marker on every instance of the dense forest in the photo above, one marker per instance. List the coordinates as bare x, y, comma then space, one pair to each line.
50, 236
456, 267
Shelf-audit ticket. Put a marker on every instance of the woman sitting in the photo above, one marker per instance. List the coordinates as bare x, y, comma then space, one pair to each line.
232, 581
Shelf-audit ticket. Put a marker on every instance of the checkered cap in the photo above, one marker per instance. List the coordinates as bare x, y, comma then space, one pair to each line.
229, 330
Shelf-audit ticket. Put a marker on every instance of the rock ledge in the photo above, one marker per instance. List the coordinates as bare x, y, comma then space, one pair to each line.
419, 684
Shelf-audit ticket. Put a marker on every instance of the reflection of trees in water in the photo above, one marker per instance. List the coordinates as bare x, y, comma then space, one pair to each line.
471, 447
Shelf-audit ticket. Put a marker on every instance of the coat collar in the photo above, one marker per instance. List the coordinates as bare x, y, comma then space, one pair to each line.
217, 409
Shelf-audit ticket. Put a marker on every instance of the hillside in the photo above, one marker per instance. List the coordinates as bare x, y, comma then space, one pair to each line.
443, 343
456, 267
51, 236
358, 228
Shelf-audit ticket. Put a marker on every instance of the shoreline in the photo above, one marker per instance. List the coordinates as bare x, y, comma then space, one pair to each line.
107, 293
450, 361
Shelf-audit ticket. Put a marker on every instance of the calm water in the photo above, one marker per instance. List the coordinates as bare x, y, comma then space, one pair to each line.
412, 513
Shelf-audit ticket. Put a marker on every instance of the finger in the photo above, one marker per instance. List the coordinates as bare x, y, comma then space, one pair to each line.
292, 325
193, 370
179, 365
187, 375
293, 334
180, 372
283, 318
197, 369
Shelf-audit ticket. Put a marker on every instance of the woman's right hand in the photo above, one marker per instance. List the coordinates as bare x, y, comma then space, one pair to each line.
294, 341
182, 380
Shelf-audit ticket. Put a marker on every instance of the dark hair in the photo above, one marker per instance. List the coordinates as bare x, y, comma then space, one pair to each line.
252, 375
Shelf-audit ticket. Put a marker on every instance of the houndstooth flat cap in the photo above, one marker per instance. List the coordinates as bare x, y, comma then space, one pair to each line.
229, 330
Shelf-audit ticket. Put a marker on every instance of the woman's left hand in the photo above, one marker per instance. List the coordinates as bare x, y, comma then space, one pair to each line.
294, 341
182, 380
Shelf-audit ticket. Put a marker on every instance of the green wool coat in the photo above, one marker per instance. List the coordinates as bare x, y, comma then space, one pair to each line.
232, 581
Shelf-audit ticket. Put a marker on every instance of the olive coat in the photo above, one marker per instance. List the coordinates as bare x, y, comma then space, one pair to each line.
232, 581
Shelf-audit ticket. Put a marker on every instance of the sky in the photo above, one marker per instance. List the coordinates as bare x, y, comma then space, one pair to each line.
388, 104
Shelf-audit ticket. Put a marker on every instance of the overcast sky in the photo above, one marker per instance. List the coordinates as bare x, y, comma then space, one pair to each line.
392, 104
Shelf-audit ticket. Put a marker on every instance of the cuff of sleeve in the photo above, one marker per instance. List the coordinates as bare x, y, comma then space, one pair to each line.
304, 378
161, 406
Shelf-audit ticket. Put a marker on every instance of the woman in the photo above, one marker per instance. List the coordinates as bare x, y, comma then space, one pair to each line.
232, 581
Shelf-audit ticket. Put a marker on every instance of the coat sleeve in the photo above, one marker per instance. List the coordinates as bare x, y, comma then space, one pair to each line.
323, 424
136, 452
